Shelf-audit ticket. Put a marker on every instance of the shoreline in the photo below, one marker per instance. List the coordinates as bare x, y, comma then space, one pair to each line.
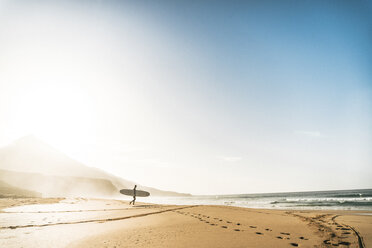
81, 222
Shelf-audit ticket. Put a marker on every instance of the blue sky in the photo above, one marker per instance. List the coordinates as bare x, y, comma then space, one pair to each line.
254, 96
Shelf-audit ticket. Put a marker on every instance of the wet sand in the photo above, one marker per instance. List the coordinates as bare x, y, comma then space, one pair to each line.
112, 223
13, 202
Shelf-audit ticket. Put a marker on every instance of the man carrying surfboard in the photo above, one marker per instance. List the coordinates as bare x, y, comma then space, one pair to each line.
134, 195
134, 192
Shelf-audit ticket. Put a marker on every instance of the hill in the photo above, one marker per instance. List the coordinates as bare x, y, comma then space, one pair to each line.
7, 190
60, 186
30, 163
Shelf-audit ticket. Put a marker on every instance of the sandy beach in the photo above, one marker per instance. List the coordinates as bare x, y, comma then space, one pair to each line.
82, 222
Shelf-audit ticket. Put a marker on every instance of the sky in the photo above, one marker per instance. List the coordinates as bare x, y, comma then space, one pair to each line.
204, 97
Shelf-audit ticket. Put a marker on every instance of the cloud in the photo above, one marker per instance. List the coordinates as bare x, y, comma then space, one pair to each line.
230, 159
315, 134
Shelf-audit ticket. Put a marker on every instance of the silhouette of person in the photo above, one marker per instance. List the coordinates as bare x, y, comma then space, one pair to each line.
134, 195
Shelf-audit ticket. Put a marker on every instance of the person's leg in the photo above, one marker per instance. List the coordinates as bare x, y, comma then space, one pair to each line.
134, 199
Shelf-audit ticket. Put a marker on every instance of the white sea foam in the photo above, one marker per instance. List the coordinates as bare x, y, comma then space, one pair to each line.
342, 200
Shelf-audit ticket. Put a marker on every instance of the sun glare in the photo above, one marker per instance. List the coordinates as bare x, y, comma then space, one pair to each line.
58, 115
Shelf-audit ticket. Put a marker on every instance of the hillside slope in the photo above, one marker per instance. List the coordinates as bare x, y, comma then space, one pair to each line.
60, 186
51, 167
7, 190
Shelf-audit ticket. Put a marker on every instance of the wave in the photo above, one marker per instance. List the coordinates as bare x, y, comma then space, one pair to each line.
346, 199
324, 203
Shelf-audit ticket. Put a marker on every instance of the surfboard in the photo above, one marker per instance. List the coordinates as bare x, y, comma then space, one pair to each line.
130, 192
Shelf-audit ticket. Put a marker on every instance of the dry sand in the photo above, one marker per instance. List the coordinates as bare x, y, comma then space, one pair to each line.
111, 223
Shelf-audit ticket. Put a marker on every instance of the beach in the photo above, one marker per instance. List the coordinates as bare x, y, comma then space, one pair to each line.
80, 222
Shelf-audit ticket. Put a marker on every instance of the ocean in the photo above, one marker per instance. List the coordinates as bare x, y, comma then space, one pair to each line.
360, 199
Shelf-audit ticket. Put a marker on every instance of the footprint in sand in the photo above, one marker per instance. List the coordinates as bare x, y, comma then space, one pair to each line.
294, 244
278, 237
344, 243
237, 230
252, 226
238, 224
259, 233
224, 226
285, 233
327, 242
268, 229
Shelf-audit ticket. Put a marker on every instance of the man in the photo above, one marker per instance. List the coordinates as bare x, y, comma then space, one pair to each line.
134, 195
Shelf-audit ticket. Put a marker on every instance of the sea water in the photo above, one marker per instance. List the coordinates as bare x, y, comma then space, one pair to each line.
333, 200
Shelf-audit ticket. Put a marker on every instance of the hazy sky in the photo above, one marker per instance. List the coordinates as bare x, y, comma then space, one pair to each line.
195, 96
